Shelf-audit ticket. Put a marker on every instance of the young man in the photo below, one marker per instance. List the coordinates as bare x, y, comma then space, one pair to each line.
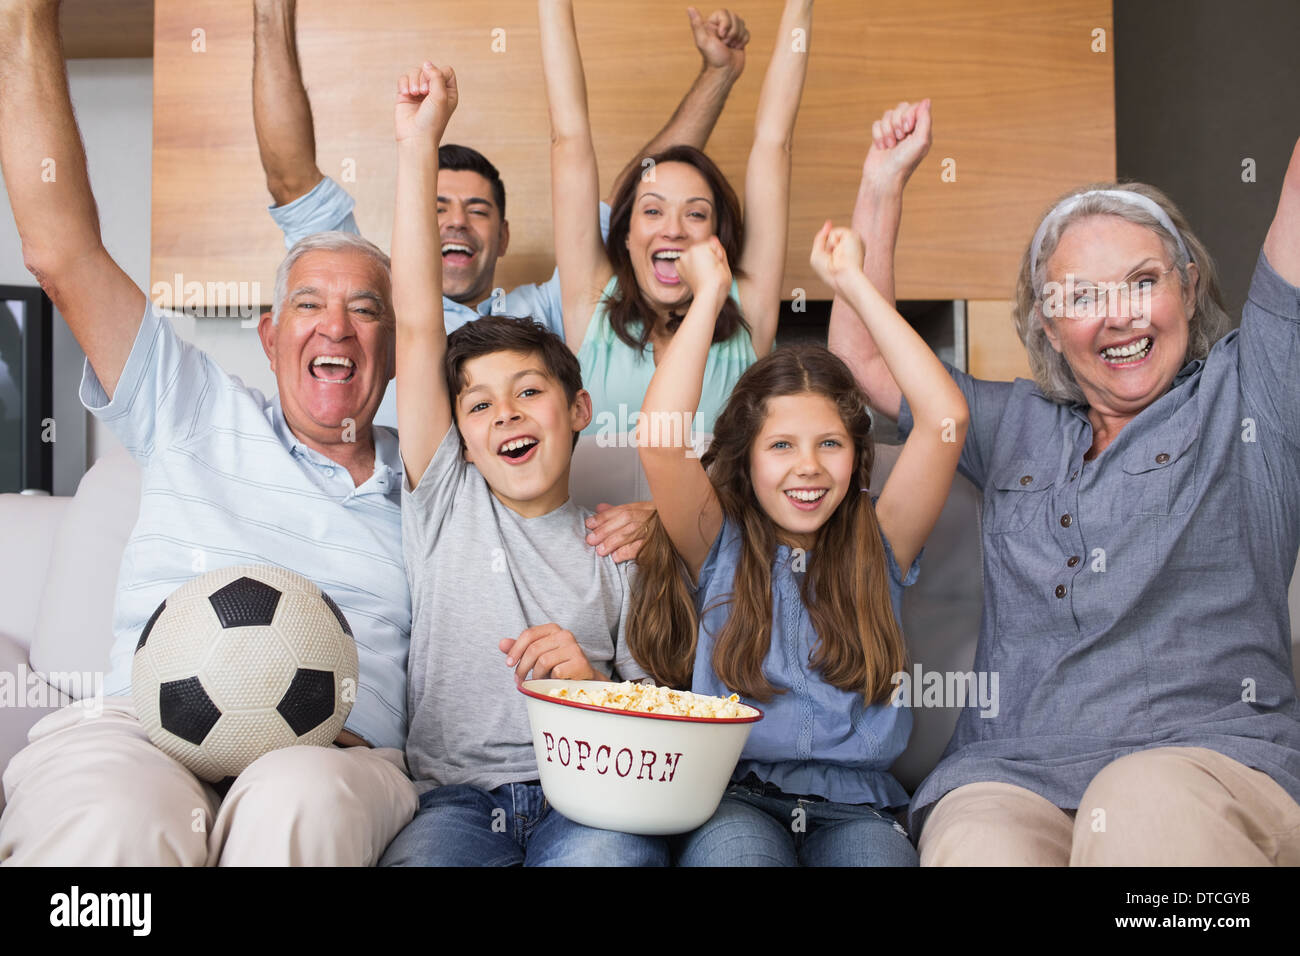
502, 582
474, 231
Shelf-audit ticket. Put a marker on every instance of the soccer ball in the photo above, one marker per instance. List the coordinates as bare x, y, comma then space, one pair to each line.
242, 661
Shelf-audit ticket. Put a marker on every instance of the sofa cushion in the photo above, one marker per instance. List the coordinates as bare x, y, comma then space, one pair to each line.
74, 630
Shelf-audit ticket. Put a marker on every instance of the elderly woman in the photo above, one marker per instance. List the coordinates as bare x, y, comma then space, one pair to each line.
1141, 522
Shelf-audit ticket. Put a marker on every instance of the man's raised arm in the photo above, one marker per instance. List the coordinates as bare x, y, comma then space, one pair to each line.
45, 174
721, 40
286, 138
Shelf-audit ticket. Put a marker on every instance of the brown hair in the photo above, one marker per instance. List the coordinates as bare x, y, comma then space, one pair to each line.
503, 333
846, 589
628, 304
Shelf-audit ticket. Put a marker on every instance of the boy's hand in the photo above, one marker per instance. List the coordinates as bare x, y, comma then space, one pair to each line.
426, 98
899, 141
620, 530
548, 651
837, 254
703, 267
721, 39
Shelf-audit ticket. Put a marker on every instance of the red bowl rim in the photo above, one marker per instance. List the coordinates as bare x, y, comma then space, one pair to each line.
523, 689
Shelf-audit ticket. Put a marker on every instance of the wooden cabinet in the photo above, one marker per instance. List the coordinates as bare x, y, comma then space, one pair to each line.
1023, 107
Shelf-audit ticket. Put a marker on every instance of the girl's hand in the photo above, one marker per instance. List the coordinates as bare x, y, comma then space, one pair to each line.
426, 98
899, 141
703, 267
548, 651
837, 255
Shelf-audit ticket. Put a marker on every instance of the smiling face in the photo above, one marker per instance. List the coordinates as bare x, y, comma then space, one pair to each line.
668, 215
332, 348
801, 464
473, 235
1124, 357
518, 427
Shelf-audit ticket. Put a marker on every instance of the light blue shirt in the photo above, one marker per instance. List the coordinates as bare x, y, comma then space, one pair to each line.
328, 207
814, 738
225, 482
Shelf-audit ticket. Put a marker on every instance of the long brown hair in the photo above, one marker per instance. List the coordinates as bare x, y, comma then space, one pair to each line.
628, 304
846, 589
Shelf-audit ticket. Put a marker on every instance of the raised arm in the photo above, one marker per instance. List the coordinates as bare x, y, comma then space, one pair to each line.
426, 99
1282, 244
767, 177
49, 191
682, 493
918, 486
899, 141
721, 40
286, 139
575, 181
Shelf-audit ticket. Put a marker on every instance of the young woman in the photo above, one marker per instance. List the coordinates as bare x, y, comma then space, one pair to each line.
623, 298
795, 575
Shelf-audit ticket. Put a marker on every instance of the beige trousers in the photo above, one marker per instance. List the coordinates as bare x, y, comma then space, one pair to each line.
94, 791
1170, 806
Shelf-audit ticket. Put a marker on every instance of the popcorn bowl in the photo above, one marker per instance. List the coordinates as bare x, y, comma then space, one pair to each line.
651, 774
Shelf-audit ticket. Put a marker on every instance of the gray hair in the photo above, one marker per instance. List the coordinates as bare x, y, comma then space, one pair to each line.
335, 241
1209, 321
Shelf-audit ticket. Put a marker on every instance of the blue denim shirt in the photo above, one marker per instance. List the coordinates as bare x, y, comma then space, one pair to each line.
814, 738
1140, 599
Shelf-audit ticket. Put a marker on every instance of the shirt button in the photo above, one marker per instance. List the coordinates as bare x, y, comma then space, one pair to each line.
1060, 590
1074, 559
1074, 476
1161, 458
328, 471
1026, 479
1065, 521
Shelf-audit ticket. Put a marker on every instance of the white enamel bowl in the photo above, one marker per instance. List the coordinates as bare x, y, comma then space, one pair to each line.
637, 773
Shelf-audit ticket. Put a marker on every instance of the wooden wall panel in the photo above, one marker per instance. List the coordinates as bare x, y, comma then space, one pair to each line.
1023, 107
994, 351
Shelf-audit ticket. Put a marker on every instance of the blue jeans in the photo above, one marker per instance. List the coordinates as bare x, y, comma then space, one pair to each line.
758, 825
512, 825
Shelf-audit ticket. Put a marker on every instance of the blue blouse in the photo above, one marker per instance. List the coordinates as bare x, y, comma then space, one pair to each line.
1139, 600
814, 738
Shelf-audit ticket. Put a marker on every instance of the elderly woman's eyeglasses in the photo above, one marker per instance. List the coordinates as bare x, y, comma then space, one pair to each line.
1075, 298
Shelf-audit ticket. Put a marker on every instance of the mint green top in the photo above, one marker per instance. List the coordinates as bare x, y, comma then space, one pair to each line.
618, 375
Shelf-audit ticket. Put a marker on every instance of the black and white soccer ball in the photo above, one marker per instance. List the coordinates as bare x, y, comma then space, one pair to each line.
242, 661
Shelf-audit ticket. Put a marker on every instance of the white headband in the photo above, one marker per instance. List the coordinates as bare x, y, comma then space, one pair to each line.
1124, 195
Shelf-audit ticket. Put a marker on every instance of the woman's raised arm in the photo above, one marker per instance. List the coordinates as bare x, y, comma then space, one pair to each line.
575, 178
767, 177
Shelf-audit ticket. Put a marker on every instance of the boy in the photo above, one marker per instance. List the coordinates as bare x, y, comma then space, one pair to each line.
493, 547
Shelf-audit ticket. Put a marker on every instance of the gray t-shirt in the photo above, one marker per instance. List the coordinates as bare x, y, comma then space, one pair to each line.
480, 572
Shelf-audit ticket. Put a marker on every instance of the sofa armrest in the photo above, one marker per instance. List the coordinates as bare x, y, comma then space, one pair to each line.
31, 524
25, 699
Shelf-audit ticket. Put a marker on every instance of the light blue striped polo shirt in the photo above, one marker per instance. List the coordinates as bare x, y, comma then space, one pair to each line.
224, 482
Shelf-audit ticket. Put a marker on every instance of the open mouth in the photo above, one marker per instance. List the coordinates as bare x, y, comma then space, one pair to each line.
665, 265
335, 369
518, 449
806, 499
456, 253
1131, 353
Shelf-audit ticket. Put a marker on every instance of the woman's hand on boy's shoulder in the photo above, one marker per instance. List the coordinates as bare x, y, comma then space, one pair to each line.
548, 650
619, 531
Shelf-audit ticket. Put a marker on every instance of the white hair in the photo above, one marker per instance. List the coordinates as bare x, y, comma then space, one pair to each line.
335, 241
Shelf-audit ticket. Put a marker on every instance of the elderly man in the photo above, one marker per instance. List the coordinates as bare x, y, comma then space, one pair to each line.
303, 481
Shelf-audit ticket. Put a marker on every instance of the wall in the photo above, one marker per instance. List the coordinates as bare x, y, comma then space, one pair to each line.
1201, 86
114, 103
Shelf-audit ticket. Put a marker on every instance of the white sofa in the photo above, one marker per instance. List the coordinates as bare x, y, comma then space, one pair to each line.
59, 561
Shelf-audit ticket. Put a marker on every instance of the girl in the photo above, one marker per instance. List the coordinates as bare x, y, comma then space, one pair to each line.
795, 579
624, 299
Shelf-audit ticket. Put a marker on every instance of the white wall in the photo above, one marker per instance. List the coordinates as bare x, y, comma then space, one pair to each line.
114, 104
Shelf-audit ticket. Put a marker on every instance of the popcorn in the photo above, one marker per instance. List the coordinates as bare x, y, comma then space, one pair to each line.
664, 701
